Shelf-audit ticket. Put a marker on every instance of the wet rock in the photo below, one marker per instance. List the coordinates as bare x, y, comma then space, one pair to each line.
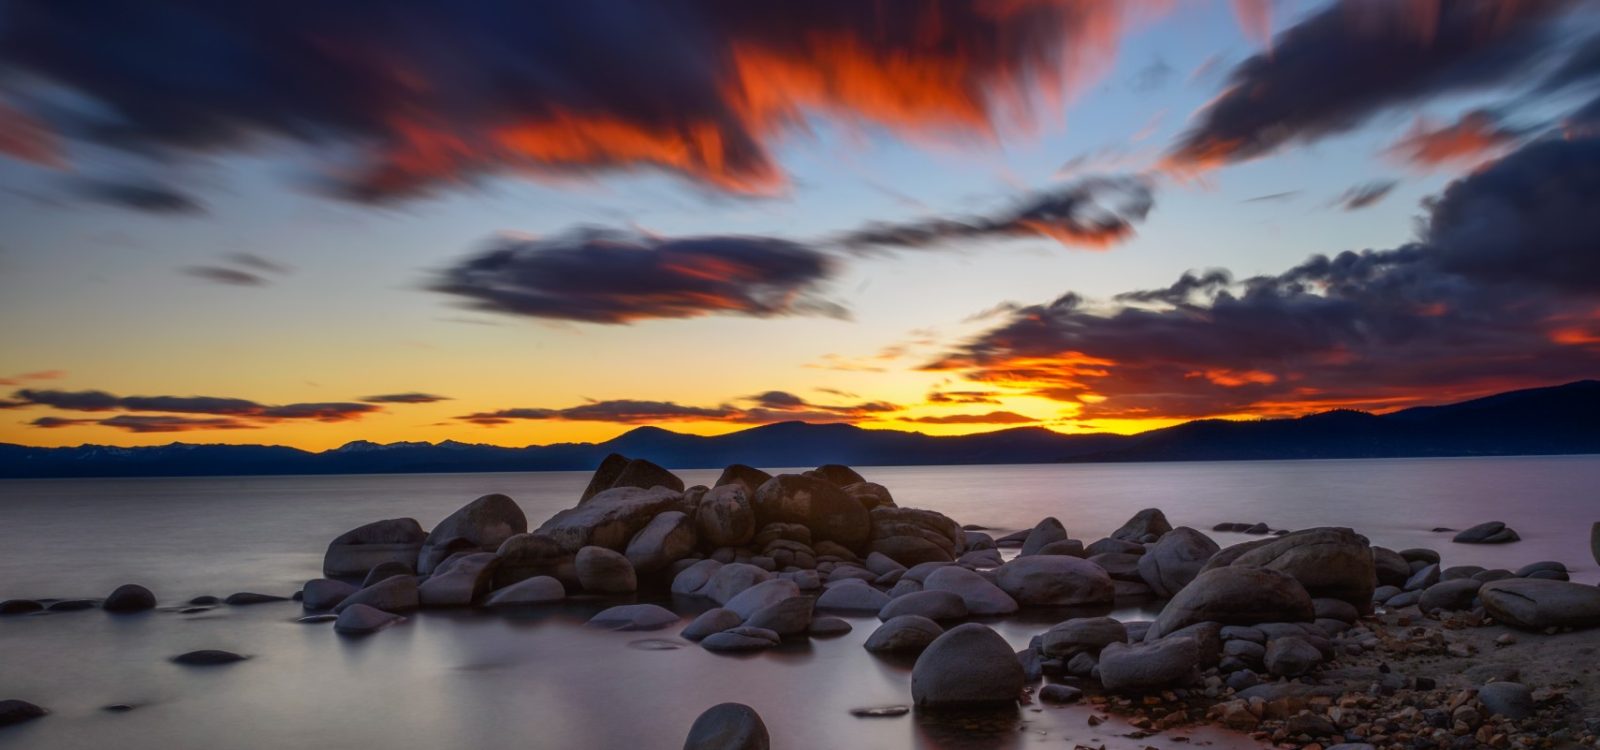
906, 633
880, 711
484, 524
1512, 700
911, 536
728, 726
1329, 562
205, 601
359, 550
604, 571
244, 598
1060, 694
1291, 656
750, 478
20, 607
394, 594
208, 657
1150, 522
1234, 595
1055, 580
826, 627
1530, 569
714, 620
934, 605
725, 517
1536, 604
979, 595
1490, 532
788, 617
1174, 561
1043, 533
1450, 595
634, 617
667, 538
742, 638
14, 711
360, 619
1082, 635
325, 593
1148, 666
818, 505
536, 590
967, 665
858, 597
129, 597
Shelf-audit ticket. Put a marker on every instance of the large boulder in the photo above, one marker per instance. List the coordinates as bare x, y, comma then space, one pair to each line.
730, 580
910, 536
816, 504
324, 593
728, 726
603, 571
536, 590
980, 596
1537, 603
1329, 562
1147, 525
838, 475
481, 525
969, 665
760, 596
751, 478
1235, 595
363, 548
620, 471
1148, 666
393, 594
1082, 635
610, 518
853, 597
1490, 532
725, 517
1046, 532
934, 605
870, 494
459, 581
532, 555
1055, 580
906, 633
668, 538
786, 617
1173, 561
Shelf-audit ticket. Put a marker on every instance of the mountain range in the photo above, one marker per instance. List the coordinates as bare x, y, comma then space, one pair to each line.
1561, 419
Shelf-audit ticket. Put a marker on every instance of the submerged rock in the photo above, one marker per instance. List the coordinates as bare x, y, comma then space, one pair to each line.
1490, 532
536, 590
208, 657
634, 617
1055, 580
968, 665
250, 597
906, 633
129, 597
728, 726
360, 619
14, 711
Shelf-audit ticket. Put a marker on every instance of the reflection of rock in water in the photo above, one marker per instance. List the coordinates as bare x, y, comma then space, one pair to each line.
989, 727
655, 644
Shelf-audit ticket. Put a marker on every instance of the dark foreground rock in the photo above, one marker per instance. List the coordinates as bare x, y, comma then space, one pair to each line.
129, 597
728, 726
13, 711
353, 553
1235, 596
968, 665
1491, 532
1537, 604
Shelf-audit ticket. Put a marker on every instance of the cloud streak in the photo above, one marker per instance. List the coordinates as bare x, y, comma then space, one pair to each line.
162, 413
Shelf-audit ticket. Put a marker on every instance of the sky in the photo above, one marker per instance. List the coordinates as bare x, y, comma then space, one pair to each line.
528, 223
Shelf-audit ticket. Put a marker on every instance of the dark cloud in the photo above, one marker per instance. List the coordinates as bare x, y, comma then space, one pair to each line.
1357, 58
1501, 290
1094, 212
320, 412
149, 197
234, 409
419, 95
600, 276
1365, 195
258, 263
624, 411
229, 276
145, 423
993, 417
405, 398
963, 397
1272, 197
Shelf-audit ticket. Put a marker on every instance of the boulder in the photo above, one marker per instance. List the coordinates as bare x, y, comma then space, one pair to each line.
1072, 547
13, 711
1043, 533
1082, 635
620, 471
858, 597
610, 518
838, 475
1328, 562
208, 657
903, 634
1422, 578
1390, 567
1109, 546
816, 504
760, 596
1234, 595
1490, 532
1512, 700
634, 617
20, 607
603, 571
1147, 523
1121, 566
714, 620
690, 580
1060, 694
977, 540
130, 597
1594, 541
732, 579
363, 548
728, 726
668, 538
393, 594
1536, 604
966, 666
533, 555
934, 605
870, 495
1450, 595
979, 595
360, 619
827, 627
911, 536
725, 517
484, 524
1335, 609
1055, 580
981, 558
459, 581
1291, 656
882, 564
1173, 561
387, 570
1152, 665
749, 477
324, 593
787, 617
536, 590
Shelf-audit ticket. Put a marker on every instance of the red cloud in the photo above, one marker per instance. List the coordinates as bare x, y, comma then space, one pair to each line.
1473, 139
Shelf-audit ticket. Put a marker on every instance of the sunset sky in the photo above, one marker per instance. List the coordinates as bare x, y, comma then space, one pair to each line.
516, 223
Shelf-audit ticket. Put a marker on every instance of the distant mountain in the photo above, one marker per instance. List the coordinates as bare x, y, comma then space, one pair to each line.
1559, 419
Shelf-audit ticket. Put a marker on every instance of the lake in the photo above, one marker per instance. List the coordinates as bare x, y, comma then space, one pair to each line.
539, 679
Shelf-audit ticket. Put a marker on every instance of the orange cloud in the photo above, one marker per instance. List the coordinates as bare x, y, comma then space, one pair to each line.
1474, 138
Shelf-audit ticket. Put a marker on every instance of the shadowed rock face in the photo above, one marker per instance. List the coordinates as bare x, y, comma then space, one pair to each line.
610, 518
484, 524
818, 505
728, 726
1536, 603
751, 477
363, 548
1329, 562
1235, 595
617, 470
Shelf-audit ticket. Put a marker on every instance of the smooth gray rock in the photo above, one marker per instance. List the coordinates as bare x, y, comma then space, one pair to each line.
1536, 604
387, 570
1450, 595
324, 593
725, 517
788, 617
1235, 595
1055, 580
825, 627
690, 580
1144, 524
459, 581
129, 597
1489, 532
536, 590
360, 619
1422, 578
394, 594
856, 597
882, 564
1114, 546
484, 524
906, 633
728, 726
1071, 547
604, 571
1121, 566
979, 595
666, 539
1082, 635
742, 638
1060, 694
1512, 700
732, 579
1043, 533
714, 620
1391, 568
981, 558
245, 598
359, 550
761, 596
967, 665
934, 605
1329, 562
1148, 666
1545, 565
634, 617
1171, 563
1291, 656
610, 518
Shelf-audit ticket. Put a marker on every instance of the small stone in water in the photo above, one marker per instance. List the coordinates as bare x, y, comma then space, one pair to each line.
876, 711
207, 657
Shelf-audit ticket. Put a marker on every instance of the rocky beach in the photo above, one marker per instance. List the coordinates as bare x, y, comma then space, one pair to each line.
1299, 638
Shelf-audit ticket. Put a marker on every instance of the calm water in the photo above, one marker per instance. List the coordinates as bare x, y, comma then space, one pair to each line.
541, 680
